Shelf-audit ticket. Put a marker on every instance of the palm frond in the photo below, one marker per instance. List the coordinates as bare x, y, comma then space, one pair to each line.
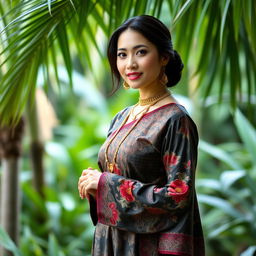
30, 36
217, 40
222, 37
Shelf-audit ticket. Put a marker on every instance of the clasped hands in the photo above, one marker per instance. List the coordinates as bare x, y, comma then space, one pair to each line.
88, 182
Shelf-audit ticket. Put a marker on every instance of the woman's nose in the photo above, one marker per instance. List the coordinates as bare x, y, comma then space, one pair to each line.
131, 64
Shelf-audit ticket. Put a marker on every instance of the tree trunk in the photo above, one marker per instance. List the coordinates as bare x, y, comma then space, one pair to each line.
10, 151
10, 199
37, 153
36, 148
40, 119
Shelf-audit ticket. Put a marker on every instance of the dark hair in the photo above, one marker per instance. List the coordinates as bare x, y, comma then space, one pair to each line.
158, 34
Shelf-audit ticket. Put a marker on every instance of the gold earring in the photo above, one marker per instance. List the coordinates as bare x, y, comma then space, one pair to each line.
164, 79
126, 85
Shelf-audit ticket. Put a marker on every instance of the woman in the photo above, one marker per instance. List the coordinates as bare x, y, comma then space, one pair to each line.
144, 201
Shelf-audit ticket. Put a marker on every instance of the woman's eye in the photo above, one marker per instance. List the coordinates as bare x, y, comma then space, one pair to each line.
141, 52
121, 55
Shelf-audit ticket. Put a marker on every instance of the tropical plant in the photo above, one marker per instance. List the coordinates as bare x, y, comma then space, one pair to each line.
215, 38
227, 202
8, 243
217, 33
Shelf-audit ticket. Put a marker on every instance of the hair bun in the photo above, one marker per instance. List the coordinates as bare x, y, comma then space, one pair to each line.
173, 69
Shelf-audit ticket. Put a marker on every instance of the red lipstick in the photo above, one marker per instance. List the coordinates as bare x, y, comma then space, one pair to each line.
134, 75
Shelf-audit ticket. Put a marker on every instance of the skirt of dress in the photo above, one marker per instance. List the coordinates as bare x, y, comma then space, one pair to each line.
110, 241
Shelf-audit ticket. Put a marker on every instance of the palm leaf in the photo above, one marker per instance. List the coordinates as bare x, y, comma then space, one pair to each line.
215, 30
7, 243
247, 132
221, 204
219, 154
33, 36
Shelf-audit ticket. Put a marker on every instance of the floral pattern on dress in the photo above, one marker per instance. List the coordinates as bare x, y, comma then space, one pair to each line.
158, 162
170, 160
187, 165
114, 211
126, 190
178, 190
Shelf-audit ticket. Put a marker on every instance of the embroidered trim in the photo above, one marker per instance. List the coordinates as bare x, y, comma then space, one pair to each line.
100, 199
180, 244
153, 111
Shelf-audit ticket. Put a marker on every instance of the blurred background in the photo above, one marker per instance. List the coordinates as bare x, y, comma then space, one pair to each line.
55, 109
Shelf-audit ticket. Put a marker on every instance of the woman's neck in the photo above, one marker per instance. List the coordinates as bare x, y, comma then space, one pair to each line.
147, 93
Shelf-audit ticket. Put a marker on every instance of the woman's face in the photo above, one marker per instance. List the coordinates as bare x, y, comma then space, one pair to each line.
138, 60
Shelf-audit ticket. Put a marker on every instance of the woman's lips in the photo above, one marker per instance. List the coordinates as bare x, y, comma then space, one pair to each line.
134, 76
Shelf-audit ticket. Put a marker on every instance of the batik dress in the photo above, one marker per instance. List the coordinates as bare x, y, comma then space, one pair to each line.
148, 206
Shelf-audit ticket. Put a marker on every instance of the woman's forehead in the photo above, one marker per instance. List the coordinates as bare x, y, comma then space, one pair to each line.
130, 39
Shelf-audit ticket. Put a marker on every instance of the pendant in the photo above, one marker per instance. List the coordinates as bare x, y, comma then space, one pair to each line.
111, 167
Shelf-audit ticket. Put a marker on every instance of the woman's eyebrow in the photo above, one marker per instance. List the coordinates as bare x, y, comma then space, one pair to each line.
135, 47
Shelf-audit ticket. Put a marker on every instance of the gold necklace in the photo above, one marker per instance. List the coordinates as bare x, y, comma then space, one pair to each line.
110, 165
134, 116
143, 102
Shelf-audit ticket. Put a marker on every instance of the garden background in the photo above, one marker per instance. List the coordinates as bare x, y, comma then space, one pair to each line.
55, 108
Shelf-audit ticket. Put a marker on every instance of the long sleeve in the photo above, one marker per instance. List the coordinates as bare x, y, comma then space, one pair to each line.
117, 119
140, 207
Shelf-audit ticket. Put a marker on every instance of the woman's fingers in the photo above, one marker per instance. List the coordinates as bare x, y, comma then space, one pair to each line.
82, 179
88, 182
85, 185
82, 190
84, 172
87, 174
81, 183
84, 176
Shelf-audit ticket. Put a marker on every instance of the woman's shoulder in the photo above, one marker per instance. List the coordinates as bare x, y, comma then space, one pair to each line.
118, 118
119, 115
171, 111
182, 121
177, 113
180, 111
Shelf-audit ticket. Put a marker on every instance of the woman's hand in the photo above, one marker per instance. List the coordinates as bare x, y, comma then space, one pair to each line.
88, 182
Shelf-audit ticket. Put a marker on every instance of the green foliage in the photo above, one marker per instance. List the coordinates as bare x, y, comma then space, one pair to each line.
217, 41
7, 243
40, 34
227, 202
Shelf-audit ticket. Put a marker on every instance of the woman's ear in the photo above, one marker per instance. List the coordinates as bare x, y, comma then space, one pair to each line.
164, 60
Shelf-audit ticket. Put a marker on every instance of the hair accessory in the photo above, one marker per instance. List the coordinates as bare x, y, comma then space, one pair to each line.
126, 86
